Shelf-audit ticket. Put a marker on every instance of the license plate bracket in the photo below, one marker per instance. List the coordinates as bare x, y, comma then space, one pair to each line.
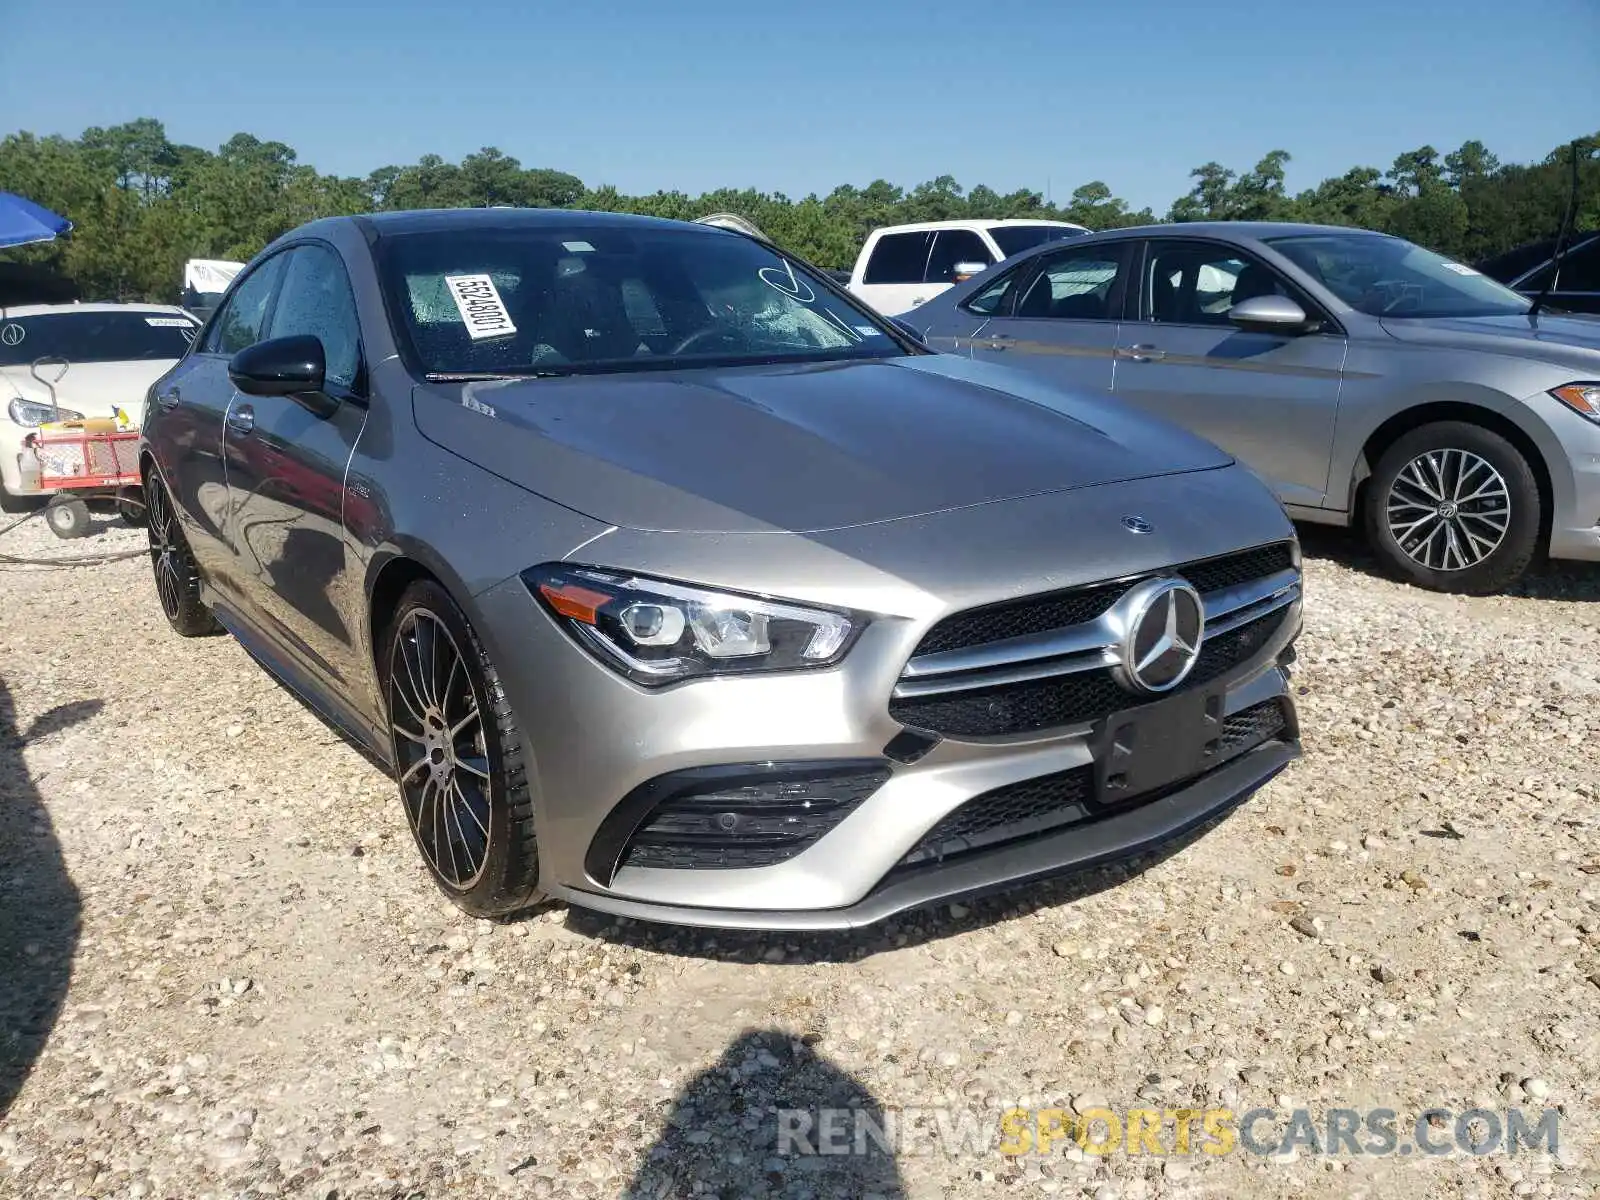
1143, 749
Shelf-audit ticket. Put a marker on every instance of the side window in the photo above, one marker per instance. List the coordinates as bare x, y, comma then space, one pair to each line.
991, 301
898, 258
1189, 283
1580, 269
316, 299
953, 246
241, 323
1074, 284
1535, 281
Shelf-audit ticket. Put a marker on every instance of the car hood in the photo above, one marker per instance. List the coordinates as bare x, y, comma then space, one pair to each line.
90, 388
1565, 339
798, 448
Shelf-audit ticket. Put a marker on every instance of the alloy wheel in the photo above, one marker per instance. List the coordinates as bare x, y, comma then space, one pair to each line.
441, 754
166, 550
1448, 510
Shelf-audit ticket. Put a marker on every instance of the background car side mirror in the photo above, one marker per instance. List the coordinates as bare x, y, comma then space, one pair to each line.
288, 366
910, 330
966, 270
1269, 314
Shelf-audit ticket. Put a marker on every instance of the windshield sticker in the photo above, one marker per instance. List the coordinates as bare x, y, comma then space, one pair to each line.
169, 322
577, 247
1459, 269
868, 331
12, 335
787, 282
482, 310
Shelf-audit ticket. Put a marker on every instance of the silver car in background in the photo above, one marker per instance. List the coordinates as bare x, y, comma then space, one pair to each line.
669, 580
1369, 381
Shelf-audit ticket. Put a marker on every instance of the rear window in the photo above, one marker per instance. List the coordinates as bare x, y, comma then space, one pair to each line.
1014, 239
87, 337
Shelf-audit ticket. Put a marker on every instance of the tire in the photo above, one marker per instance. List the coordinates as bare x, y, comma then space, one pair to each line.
1454, 507
458, 757
67, 518
176, 576
131, 507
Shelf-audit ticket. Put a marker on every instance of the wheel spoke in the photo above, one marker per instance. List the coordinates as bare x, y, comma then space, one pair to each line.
411, 772
455, 730
472, 810
1402, 532
471, 767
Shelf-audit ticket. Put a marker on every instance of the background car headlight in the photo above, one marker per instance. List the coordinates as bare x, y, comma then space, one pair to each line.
655, 631
1583, 398
31, 413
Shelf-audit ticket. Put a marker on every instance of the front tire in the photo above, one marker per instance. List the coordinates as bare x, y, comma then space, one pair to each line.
458, 757
176, 575
68, 517
1454, 507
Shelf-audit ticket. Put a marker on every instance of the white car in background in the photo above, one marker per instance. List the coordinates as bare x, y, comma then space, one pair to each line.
113, 353
902, 266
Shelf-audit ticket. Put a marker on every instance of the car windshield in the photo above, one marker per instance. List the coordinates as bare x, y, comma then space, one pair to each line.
1014, 239
1388, 277
571, 300
86, 337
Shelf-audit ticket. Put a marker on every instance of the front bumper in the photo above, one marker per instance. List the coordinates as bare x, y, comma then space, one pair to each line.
592, 739
1571, 450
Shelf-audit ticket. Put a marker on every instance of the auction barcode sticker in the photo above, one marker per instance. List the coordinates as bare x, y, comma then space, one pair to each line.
170, 322
479, 303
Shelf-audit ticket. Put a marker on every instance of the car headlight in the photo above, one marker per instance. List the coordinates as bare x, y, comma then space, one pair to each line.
656, 632
33, 414
1581, 398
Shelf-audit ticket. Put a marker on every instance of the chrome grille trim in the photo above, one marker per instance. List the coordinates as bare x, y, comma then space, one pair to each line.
1086, 647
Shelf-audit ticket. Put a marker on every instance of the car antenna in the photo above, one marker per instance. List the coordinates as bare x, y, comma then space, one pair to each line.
1562, 238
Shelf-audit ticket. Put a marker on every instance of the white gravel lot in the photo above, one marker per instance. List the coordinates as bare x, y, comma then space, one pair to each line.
224, 973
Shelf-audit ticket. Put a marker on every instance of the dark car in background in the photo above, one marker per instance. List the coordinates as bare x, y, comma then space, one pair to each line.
1529, 268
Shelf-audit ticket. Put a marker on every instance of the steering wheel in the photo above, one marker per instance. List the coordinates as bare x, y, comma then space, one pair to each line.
704, 334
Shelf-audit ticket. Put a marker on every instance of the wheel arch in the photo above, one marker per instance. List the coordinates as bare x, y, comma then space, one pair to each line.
1406, 420
389, 575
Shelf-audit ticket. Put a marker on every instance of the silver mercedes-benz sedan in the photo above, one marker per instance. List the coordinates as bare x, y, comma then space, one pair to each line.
669, 580
1369, 381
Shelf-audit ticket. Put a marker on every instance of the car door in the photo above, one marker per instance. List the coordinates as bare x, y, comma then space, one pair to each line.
892, 278
186, 419
1270, 399
286, 481
1059, 317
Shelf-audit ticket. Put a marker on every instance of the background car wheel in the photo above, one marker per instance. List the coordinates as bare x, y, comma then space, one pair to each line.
458, 757
1454, 507
67, 518
131, 506
177, 577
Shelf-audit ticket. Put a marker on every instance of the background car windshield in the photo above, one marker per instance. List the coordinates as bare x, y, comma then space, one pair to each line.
85, 337
594, 299
1014, 239
1388, 277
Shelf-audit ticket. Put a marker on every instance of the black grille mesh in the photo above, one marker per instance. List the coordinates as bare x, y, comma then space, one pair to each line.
1051, 802
1066, 699
1057, 610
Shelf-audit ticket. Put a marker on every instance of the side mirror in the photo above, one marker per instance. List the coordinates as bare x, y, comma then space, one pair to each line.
287, 366
1269, 314
966, 270
910, 330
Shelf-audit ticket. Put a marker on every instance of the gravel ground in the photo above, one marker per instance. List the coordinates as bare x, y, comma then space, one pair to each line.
224, 972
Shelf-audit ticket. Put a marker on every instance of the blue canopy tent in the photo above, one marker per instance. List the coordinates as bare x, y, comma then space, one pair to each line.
22, 221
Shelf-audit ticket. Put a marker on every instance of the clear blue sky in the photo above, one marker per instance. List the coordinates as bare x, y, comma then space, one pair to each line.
796, 97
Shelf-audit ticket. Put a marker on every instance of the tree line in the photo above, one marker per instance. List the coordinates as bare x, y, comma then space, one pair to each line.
141, 204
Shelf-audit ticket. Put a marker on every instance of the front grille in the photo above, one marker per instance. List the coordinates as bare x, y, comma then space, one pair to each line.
755, 824
1052, 802
1058, 610
1066, 699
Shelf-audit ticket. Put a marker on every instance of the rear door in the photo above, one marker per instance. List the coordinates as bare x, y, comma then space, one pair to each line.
186, 417
892, 279
1270, 399
1059, 316
286, 480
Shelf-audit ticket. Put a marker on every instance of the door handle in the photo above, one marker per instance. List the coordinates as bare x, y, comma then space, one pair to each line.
168, 399
242, 419
1141, 353
1000, 341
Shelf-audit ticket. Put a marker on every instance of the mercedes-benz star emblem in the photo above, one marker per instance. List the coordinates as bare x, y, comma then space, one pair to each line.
1165, 626
1137, 525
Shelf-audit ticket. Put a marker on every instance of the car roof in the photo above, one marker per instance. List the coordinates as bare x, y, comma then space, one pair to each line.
430, 220
1250, 231
973, 224
43, 310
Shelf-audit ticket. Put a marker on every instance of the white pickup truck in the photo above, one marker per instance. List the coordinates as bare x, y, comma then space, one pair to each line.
901, 266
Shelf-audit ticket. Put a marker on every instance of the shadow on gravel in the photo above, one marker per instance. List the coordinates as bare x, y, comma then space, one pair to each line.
771, 1116
39, 905
1545, 580
912, 928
